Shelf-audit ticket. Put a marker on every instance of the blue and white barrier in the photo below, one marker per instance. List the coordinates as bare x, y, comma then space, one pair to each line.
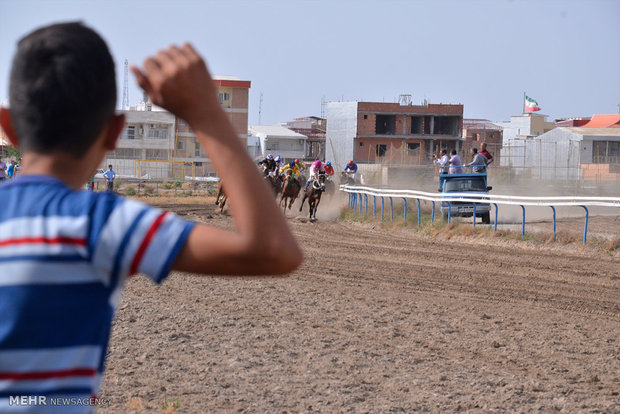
522, 201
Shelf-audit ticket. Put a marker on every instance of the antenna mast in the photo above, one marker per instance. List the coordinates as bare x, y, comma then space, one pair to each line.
323, 104
125, 104
260, 108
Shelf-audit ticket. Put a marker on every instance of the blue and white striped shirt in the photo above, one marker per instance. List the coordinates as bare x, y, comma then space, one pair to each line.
64, 258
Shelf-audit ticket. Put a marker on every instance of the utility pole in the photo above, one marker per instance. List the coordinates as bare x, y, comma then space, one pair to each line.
260, 108
125, 104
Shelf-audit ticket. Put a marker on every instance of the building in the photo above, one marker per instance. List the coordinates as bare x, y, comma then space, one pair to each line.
314, 128
391, 133
278, 140
148, 135
524, 126
156, 144
604, 121
571, 122
477, 131
570, 153
233, 95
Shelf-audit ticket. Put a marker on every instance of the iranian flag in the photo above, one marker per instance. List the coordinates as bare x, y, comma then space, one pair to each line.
531, 105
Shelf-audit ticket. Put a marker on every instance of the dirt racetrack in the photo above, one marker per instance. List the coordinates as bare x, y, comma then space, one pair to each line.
376, 321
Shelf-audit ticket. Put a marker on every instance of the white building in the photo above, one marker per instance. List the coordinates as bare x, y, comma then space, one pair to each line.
568, 153
148, 135
278, 140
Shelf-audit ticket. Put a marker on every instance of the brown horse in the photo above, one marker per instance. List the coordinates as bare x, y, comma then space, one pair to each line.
313, 194
290, 191
275, 183
221, 198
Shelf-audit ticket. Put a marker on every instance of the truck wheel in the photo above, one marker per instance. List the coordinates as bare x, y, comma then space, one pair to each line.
486, 218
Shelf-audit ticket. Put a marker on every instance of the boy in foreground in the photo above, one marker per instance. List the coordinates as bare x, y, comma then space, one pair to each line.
65, 254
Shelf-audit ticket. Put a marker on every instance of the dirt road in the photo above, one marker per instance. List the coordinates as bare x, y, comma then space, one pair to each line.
376, 321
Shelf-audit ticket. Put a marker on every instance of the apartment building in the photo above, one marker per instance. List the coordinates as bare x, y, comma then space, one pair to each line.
391, 133
156, 144
233, 95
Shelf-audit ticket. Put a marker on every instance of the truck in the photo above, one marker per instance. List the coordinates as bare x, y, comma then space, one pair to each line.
470, 182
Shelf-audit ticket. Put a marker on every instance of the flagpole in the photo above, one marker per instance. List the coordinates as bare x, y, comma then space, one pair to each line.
523, 103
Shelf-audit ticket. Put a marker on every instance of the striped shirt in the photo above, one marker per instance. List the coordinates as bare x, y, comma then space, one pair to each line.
64, 258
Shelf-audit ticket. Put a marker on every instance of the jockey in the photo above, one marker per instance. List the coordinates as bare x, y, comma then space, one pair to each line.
351, 169
329, 170
290, 167
278, 161
316, 169
300, 166
268, 163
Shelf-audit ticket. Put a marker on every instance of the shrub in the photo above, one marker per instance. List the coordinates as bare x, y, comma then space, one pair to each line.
130, 191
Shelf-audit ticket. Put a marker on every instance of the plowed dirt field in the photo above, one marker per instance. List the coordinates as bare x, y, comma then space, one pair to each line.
375, 321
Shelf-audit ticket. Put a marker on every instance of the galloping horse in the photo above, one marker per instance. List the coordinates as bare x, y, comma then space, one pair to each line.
275, 183
313, 194
221, 198
290, 191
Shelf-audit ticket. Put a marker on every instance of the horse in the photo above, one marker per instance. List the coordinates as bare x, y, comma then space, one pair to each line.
221, 197
290, 191
313, 194
275, 183
346, 178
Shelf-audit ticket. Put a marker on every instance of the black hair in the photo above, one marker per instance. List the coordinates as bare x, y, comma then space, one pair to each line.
453, 152
474, 150
443, 151
62, 89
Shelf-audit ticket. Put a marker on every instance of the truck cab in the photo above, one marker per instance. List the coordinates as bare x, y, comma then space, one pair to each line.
466, 182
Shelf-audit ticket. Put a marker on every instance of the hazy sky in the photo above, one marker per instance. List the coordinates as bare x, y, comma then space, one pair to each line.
483, 54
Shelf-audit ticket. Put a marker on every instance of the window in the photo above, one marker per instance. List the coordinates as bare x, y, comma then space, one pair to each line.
381, 149
223, 97
180, 145
156, 154
126, 153
413, 149
385, 125
198, 163
365, 116
361, 144
606, 152
130, 132
158, 133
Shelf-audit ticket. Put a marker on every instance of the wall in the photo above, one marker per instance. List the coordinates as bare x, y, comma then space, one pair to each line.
341, 132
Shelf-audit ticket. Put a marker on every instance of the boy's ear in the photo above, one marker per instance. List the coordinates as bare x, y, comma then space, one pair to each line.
114, 128
7, 126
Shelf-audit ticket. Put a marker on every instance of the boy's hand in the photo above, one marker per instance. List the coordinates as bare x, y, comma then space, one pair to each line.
177, 79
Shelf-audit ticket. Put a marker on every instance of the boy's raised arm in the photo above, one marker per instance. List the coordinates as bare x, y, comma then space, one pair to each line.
177, 79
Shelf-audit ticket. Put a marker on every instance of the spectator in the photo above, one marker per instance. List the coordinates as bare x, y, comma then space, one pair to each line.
59, 291
487, 154
442, 162
479, 163
2, 171
455, 163
11, 170
110, 175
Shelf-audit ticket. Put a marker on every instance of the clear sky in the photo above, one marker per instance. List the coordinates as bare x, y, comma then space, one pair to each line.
483, 54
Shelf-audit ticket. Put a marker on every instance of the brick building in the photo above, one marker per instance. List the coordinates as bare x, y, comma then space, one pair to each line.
477, 131
233, 95
391, 133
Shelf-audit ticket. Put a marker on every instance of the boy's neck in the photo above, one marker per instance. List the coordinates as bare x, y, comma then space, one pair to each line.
62, 166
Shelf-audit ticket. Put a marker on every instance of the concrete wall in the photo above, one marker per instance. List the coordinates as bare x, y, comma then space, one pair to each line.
341, 133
